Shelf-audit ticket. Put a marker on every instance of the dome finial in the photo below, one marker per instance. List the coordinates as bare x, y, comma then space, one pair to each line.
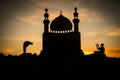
60, 12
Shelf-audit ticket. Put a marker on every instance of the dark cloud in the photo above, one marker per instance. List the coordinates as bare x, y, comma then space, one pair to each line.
9, 9
13, 5
110, 9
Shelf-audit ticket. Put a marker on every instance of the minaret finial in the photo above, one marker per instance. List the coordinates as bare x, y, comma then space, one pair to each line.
76, 20
75, 13
60, 12
75, 9
46, 15
46, 10
46, 21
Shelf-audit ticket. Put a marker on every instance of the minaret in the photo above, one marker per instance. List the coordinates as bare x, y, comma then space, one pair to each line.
46, 21
76, 20
76, 27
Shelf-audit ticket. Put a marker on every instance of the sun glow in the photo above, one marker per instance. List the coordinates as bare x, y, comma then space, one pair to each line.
88, 52
8, 50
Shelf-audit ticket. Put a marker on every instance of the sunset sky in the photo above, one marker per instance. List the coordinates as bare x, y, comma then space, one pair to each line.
22, 20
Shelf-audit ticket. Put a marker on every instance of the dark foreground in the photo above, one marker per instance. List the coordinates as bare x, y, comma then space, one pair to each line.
36, 68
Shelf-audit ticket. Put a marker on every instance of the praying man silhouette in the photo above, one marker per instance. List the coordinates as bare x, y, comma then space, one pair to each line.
25, 45
100, 48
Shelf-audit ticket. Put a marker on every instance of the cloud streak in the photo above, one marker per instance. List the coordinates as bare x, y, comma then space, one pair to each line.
113, 31
116, 50
91, 16
33, 19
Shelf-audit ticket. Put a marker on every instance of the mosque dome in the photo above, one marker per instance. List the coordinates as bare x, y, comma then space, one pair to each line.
61, 23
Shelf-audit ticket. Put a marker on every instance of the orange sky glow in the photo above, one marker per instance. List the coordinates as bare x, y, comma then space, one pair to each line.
97, 25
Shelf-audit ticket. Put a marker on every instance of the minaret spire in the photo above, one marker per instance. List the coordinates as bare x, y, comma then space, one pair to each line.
76, 26
75, 13
46, 15
46, 21
75, 20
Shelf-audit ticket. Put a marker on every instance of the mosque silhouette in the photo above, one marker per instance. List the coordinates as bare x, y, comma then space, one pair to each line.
59, 39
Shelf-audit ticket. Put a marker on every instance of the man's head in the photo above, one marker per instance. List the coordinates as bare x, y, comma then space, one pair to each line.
101, 44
